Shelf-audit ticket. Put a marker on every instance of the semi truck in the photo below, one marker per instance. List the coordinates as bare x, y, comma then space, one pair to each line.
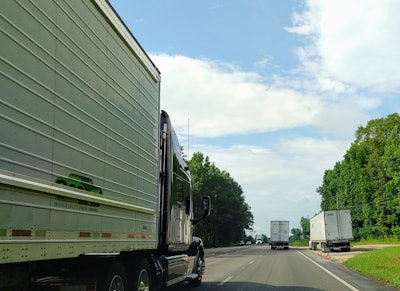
94, 192
279, 235
331, 230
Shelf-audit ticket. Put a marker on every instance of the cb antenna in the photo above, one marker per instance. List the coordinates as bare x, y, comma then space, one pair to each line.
188, 139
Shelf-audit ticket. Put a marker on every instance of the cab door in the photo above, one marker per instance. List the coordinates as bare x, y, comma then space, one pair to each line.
180, 234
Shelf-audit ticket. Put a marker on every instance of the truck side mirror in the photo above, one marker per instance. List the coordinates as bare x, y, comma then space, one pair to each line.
206, 205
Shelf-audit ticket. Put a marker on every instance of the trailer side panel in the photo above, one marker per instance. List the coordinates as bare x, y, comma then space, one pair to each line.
79, 141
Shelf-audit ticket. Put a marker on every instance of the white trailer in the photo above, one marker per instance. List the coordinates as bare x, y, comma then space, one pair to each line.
331, 230
279, 235
94, 192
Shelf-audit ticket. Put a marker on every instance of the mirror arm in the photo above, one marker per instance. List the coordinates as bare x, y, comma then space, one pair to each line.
197, 220
206, 209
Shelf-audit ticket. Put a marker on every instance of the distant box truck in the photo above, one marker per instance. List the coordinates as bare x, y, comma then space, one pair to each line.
331, 230
279, 235
94, 192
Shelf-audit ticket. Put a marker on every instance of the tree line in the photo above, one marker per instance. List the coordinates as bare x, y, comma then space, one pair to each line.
367, 180
230, 214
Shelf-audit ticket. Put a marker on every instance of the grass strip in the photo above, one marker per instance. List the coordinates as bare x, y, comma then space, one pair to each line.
299, 243
376, 241
382, 264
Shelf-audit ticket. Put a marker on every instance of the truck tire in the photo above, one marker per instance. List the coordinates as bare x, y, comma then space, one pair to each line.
200, 266
325, 248
140, 279
114, 278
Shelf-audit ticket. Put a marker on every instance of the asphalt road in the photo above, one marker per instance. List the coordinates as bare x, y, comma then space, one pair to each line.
250, 268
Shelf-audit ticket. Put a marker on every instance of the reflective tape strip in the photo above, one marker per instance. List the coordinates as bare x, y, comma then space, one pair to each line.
21, 232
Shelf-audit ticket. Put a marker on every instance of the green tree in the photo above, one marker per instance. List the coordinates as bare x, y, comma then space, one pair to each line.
367, 180
391, 197
305, 225
296, 234
230, 214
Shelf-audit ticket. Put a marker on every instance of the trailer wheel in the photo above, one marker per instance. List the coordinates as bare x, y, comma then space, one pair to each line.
114, 279
141, 277
325, 248
314, 246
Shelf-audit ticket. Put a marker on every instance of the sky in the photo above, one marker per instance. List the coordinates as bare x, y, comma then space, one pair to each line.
272, 91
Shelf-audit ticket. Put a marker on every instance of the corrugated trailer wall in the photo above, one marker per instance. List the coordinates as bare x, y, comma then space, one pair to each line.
317, 227
79, 104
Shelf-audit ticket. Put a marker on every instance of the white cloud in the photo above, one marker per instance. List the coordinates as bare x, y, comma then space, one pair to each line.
340, 119
355, 42
279, 182
346, 58
221, 100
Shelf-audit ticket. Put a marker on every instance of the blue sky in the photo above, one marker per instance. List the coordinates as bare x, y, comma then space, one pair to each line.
273, 91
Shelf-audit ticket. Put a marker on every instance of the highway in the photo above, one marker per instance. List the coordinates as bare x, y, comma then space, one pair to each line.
254, 267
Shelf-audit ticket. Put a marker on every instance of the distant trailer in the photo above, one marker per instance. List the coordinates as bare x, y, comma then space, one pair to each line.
279, 235
331, 230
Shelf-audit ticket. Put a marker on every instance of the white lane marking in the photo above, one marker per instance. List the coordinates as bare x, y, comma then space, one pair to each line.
251, 262
226, 280
330, 273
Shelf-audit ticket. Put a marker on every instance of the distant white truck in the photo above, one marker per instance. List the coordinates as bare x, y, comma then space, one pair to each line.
279, 235
330, 230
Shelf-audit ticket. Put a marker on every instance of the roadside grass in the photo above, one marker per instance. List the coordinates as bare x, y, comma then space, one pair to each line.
374, 241
382, 264
300, 243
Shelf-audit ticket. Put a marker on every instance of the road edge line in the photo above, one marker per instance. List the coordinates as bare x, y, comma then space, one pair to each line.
329, 272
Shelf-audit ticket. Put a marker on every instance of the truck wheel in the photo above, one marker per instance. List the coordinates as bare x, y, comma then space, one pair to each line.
114, 279
325, 248
141, 277
200, 266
